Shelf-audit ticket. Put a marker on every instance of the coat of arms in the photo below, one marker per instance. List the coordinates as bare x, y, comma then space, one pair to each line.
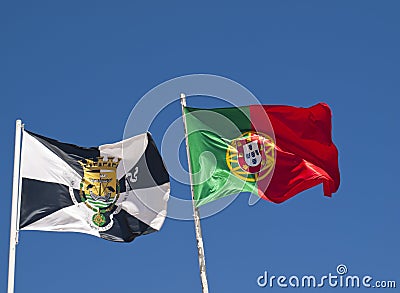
251, 156
99, 188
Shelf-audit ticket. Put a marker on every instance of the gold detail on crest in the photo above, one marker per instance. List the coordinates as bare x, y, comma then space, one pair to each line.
99, 187
232, 155
99, 219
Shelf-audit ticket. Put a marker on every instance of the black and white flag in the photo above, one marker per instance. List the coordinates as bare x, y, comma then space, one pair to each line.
115, 191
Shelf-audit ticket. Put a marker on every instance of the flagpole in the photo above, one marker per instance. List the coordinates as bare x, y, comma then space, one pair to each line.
16, 191
196, 213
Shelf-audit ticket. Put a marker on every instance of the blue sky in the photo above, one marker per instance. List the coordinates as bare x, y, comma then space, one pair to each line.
66, 67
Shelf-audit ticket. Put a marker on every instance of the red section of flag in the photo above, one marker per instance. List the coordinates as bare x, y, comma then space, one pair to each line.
305, 153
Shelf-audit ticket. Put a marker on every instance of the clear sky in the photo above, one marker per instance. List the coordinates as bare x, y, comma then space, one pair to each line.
73, 70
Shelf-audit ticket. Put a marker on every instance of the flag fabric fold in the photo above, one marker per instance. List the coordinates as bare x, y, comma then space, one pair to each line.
116, 191
269, 150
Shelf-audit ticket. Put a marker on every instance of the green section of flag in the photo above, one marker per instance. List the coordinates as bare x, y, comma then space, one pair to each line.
210, 133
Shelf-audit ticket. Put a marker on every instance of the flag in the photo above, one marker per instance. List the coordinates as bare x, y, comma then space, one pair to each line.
272, 151
115, 191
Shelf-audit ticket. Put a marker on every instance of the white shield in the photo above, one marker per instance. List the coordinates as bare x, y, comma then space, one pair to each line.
252, 154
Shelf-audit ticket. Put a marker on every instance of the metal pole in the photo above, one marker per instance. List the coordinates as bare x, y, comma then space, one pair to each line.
196, 214
14, 206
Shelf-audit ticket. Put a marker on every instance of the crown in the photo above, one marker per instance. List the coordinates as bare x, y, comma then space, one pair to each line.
100, 162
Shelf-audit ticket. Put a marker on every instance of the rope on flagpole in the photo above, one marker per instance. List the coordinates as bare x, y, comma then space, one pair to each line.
196, 213
16, 192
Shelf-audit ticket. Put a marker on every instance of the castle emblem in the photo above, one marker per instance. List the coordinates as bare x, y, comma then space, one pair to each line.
99, 188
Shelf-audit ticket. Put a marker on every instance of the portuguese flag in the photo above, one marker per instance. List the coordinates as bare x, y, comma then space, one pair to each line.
272, 151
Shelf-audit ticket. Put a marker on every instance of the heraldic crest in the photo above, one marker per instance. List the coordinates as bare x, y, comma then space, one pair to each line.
99, 188
251, 157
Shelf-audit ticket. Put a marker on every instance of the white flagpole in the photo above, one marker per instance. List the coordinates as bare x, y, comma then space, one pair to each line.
196, 214
16, 191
